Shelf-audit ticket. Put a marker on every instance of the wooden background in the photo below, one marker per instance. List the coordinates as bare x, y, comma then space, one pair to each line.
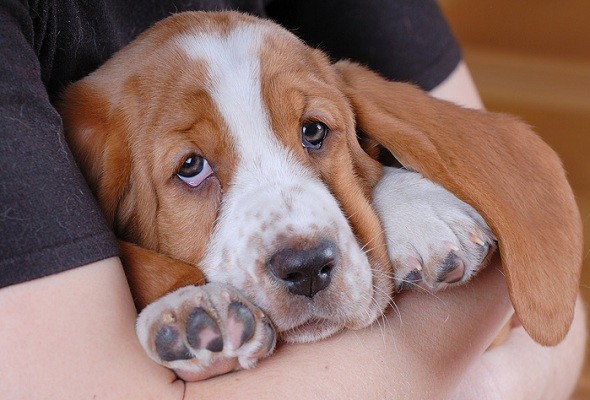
532, 58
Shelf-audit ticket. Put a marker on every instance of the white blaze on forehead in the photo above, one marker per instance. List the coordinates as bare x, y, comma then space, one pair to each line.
272, 192
233, 67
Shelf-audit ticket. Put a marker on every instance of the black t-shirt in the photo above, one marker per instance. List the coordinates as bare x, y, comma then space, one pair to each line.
49, 221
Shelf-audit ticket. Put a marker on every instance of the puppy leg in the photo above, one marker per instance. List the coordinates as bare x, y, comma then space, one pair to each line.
204, 331
434, 239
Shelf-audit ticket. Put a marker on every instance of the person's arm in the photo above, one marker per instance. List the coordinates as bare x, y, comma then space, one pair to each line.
71, 335
519, 368
459, 88
420, 350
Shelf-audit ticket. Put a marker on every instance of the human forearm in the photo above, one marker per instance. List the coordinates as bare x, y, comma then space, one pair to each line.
459, 88
421, 354
71, 336
519, 368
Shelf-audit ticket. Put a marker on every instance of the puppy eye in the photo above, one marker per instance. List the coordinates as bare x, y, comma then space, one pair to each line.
194, 170
313, 135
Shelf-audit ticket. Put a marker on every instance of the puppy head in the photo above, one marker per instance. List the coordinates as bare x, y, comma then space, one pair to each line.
223, 141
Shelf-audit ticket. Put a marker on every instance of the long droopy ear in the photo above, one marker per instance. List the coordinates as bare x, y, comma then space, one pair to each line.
94, 133
500, 167
98, 136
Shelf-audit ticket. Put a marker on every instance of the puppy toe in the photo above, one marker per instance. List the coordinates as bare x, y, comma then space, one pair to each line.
451, 270
202, 332
269, 340
481, 244
449, 238
411, 280
240, 324
169, 345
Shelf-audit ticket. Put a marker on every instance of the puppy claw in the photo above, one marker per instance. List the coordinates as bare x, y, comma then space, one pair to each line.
451, 246
168, 318
476, 239
414, 263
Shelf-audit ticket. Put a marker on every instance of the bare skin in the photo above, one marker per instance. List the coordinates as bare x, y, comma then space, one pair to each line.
72, 335
459, 82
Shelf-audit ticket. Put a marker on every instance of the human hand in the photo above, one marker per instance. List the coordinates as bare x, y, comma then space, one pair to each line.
519, 368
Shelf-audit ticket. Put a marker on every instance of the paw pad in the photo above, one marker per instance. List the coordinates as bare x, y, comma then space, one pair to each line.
241, 324
411, 280
202, 331
169, 346
451, 269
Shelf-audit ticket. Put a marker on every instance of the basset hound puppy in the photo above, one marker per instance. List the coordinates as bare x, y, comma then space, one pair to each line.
226, 154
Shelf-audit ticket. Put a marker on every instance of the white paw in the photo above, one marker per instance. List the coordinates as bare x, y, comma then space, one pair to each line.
203, 331
434, 239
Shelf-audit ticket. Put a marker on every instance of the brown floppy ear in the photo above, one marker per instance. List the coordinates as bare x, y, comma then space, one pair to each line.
94, 134
500, 167
151, 275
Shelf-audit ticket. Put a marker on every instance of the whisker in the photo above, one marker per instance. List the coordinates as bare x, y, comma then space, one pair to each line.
390, 302
348, 217
364, 246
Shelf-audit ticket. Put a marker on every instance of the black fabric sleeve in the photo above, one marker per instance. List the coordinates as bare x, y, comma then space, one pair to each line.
49, 221
403, 40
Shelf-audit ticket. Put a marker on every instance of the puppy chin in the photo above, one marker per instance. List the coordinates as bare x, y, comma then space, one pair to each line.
311, 331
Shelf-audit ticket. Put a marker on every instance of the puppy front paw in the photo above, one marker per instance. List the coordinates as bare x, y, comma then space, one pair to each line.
204, 331
434, 239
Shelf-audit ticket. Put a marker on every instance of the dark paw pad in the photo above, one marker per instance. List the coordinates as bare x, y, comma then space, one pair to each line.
241, 324
202, 331
451, 270
169, 346
411, 280
271, 335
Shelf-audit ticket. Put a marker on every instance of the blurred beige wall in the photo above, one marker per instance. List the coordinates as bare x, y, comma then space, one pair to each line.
556, 28
532, 58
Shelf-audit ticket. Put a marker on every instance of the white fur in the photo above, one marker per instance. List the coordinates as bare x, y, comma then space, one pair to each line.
271, 194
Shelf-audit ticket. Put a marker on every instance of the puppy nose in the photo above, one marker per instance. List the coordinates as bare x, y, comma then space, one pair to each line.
306, 271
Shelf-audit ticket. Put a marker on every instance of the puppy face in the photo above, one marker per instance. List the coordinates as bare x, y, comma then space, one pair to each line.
225, 142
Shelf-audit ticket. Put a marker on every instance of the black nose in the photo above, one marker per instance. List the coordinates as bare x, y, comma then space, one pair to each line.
305, 271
